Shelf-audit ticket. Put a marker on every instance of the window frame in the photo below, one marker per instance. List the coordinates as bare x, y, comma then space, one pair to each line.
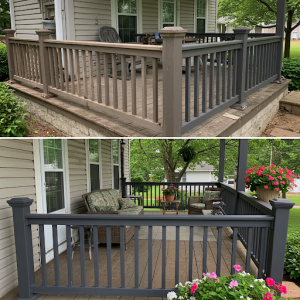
160, 14
196, 15
94, 163
113, 163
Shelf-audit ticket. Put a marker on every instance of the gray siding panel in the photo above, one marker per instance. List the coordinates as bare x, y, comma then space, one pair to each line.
212, 15
150, 16
187, 15
16, 180
106, 164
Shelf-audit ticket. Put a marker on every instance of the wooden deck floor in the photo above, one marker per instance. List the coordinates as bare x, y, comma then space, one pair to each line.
143, 264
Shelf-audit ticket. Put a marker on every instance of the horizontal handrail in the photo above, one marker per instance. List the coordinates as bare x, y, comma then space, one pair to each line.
150, 220
16, 39
228, 187
260, 205
171, 182
263, 40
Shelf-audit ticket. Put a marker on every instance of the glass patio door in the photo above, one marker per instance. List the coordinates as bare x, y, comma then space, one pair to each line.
54, 194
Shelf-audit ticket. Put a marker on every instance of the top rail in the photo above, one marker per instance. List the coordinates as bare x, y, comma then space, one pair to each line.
263, 40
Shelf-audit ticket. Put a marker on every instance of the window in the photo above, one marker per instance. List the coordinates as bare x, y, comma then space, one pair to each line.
94, 165
183, 178
201, 13
53, 175
168, 13
116, 164
127, 20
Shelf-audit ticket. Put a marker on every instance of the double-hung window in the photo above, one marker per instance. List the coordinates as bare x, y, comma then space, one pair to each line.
168, 13
116, 164
94, 162
127, 20
201, 15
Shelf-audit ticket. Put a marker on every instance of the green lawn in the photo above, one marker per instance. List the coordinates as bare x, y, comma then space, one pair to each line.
295, 199
295, 48
294, 224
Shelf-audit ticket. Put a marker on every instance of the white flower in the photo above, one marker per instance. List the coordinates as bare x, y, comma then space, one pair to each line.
196, 280
241, 297
255, 280
230, 287
251, 285
261, 280
204, 278
180, 298
264, 286
171, 295
187, 282
192, 298
248, 298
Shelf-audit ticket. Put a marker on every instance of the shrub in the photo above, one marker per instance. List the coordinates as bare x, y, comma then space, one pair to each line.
291, 70
3, 63
292, 256
12, 114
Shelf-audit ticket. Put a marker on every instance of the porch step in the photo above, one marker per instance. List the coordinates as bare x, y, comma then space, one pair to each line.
291, 103
293, 291
278, 132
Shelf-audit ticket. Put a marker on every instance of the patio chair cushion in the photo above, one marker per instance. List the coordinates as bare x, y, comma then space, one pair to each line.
131, 211
103, 201
198, 205
211, 195
126, 203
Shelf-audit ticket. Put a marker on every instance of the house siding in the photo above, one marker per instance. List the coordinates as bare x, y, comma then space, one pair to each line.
77, 175
212, 9
16, 180
106, 158
150, 16
28, 18
187, 20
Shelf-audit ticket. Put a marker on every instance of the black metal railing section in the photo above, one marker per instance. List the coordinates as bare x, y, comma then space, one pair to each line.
229, 197
152, 193
145, 261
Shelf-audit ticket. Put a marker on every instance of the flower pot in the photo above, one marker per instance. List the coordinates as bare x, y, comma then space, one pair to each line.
169, 198
266, 195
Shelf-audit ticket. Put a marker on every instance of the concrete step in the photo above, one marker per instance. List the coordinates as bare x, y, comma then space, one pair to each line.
291, 103
293, 291
278, 132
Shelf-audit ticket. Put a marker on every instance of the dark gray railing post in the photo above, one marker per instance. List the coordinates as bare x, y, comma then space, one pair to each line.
278, 234
221, 161
23, 242
123, 187
44, 59
172, 80
280, 24
241, 33
9, 33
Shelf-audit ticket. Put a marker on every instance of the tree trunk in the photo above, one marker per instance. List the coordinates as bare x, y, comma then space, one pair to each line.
288, 32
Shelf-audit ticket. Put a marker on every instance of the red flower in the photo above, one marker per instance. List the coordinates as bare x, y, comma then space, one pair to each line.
273, 172
275, 183
270, 281
282, 289
279, 177
271, 178
262, 168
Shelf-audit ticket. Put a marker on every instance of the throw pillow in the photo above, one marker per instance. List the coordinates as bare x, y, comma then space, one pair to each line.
211, 195
98, 204
126, 203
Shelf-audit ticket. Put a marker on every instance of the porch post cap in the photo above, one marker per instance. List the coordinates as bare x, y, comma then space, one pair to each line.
43, 32
241, 29
173, 31
8, 31
282, 203
20, 202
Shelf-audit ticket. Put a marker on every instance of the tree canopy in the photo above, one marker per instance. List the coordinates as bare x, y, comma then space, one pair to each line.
261, 13
159, 159
4, 15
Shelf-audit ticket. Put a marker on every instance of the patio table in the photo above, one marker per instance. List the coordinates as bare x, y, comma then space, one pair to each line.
164, 202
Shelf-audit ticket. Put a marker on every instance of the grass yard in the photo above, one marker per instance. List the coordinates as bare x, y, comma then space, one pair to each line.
294, 223
295, 199
295, 48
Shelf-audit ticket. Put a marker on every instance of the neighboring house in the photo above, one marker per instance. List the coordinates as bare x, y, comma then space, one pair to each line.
199, 174
81, 20
223, 26
67, 168
294, 36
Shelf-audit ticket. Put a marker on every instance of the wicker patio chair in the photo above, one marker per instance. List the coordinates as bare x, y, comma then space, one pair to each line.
110, 35
115, 230
199, 206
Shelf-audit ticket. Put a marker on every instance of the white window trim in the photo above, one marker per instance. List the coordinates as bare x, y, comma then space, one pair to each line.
88, 163
12, 14
65, 177
113, 164
160, 13
115, 14
195, 15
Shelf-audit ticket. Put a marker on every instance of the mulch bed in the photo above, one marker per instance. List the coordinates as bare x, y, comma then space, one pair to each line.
40, 130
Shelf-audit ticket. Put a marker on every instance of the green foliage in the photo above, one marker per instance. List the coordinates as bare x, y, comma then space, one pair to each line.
4, 15
188, 153
292, 255
294, 224
3, 63
291, 70
12, 114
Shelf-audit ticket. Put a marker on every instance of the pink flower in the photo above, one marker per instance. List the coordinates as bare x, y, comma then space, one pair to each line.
248, 172
213, 275
290, 187
258, 173
282, 289
280, 171
275, 183
271, 178
254, 168
296, 185
266, 187
238, 268
268, 296
262, 168
283, 182
277, 189
194, 288
273, 172
233, 283
273, 165
217, 281
270, 281
247, 180
279, 177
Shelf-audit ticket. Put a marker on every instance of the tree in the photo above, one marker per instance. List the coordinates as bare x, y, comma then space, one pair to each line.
261, 13
4, 15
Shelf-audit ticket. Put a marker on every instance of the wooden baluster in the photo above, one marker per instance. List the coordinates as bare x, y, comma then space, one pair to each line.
155, 89
91, 75
124, 82
61, 69
99, 87
115, 80
50, 54
106, 79
66, 66
78, 73
133, 85
144, 87
71, 58
56, 74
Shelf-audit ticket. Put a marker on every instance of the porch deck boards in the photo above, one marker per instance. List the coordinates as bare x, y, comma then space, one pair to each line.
143, 265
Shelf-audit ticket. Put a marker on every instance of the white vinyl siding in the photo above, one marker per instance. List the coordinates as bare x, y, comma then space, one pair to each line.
77, 175
127, 160
212, 7
86, 14
28, 18
106, 164
16, 180
150, 16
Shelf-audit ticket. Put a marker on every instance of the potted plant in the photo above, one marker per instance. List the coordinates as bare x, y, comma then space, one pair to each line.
269, 181
170, 192
188, 153
240, 285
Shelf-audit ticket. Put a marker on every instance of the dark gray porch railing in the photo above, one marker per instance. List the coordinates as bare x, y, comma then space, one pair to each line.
152, 191
237, 69
28, 288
